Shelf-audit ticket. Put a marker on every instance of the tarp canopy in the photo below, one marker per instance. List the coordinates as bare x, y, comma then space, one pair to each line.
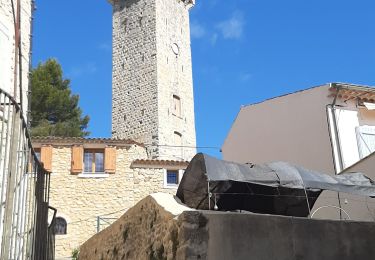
276, 188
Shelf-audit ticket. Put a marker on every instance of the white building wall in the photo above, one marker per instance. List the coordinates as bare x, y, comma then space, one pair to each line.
7, 47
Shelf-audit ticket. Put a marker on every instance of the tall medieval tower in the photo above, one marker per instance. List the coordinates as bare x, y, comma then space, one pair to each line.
152, 86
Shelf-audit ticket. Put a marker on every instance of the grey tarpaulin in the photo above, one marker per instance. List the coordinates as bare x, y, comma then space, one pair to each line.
276, 188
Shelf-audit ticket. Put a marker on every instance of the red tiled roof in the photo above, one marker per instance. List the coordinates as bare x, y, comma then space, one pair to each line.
81, 140
155, 163
350, 91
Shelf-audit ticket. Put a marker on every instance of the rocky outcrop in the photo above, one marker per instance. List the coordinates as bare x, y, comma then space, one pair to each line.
151, 230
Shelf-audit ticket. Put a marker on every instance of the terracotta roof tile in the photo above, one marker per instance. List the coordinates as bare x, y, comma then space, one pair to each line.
155, 163
82, 140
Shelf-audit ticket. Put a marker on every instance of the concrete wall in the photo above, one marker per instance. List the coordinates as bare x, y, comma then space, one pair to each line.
7, 47
262, 237
79, 199
147, 73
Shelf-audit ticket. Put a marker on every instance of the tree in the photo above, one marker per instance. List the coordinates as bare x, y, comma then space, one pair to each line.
54, 109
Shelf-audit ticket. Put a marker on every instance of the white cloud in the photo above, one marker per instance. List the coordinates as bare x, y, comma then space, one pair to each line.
197, 30
233, 27
246, 76
87, 68
105, 47
213, 38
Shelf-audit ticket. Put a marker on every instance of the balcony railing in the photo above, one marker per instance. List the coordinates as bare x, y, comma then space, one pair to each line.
26, 229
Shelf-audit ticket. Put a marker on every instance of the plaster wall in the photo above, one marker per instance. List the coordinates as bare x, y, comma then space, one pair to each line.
290, 128
7, 47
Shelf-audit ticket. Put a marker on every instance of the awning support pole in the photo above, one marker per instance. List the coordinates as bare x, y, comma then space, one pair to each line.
307, 199
209, 195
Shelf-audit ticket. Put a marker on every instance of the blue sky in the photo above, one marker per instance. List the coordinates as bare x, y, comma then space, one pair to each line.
244, 51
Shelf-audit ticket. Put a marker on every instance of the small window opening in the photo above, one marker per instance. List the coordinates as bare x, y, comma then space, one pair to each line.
60, 226
176, 106
172, 177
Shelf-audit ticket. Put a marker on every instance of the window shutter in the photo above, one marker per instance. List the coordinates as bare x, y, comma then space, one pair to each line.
46, 157
77, 159
366, 140
110, 159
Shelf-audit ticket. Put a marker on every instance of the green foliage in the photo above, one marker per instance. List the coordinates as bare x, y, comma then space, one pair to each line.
54, 109
75, 253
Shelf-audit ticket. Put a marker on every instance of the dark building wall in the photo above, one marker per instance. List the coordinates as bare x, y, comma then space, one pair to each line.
263, 237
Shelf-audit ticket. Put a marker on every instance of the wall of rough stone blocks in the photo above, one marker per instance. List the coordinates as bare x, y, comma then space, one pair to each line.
7, 47
81, 200
134, 86
175, 78
147, 73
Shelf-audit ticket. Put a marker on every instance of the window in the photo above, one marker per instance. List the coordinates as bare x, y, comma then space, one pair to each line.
60, 226
93, 161
176, 106
44, 155
172, 177
37, 153
366, 140
178, 145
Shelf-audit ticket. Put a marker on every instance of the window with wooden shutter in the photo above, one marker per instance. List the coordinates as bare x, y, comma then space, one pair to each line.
46, 157
77, 159
110, 159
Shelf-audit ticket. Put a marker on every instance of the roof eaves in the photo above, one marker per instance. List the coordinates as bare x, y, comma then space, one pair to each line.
158, 164
81, 140
284, 95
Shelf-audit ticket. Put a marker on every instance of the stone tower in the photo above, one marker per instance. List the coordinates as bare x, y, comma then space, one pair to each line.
152, 86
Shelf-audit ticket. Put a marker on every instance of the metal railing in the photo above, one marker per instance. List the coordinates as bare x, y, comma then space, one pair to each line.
24, 190
103, 223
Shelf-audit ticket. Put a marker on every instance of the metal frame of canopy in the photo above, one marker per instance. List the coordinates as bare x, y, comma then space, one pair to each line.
232, 179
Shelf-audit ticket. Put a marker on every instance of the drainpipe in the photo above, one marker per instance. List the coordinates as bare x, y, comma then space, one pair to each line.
337, 139
17, 21
336, 133
28, 109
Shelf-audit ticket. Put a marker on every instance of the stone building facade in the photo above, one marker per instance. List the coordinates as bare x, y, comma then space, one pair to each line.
81, 193
7, 48
152, 76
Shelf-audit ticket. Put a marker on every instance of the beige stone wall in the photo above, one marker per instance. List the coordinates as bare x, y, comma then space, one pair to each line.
81, 200
147, 73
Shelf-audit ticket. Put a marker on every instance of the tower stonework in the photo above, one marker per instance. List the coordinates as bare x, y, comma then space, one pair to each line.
152, 85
